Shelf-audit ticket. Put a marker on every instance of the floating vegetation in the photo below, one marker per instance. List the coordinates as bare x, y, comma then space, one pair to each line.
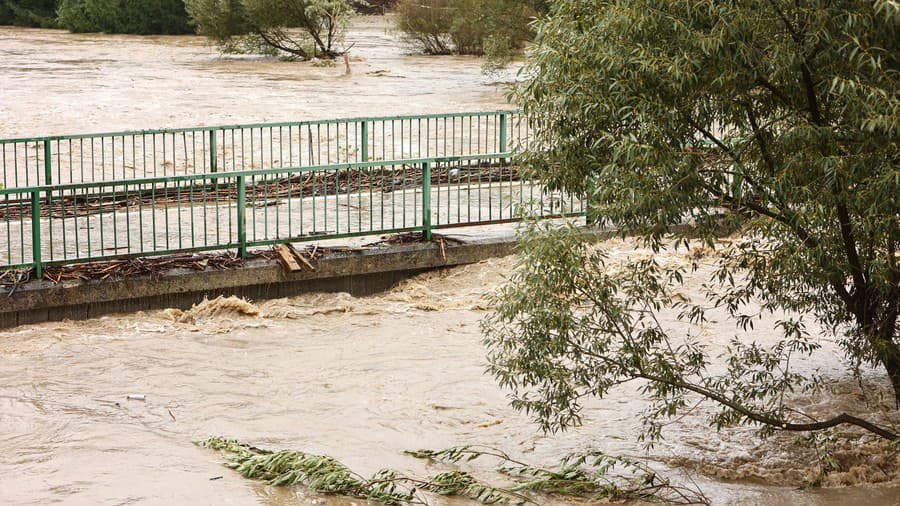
591, 474
588, 475
324, 474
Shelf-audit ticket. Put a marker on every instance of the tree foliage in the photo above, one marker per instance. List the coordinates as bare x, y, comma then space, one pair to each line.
787, 115
270, 23
467, 26
141, 17
33, 13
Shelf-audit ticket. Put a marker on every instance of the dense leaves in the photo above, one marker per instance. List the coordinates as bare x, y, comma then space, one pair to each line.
467, 26
35, 13
124, 16
778, 117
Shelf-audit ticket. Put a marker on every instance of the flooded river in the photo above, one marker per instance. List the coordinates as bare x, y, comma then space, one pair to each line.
361, 379
56, 83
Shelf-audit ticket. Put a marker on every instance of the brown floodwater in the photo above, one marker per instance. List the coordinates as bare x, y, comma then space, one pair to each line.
55, 83
361, 379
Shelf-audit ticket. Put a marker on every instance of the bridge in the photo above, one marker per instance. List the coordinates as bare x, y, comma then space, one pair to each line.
84, 198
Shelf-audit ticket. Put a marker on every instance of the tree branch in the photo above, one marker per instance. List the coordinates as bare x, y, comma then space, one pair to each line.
841, 419
760, 140
850, 250
781, 95
791, 223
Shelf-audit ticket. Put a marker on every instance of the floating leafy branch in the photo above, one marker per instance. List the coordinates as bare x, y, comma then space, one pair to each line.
324, 474
592, 475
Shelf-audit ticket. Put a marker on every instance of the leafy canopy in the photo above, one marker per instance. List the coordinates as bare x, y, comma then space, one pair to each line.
776, 117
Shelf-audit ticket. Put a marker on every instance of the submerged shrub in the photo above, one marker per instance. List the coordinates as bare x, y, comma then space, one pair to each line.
467, 26
300, 28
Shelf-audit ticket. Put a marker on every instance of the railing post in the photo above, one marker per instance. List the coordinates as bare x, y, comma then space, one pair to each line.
426, 200
48, 168
48, 173
36, 234
242, 216
213, 161
364, 148
503, 133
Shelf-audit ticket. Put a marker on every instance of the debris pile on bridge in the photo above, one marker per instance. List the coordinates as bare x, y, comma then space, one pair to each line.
286, 254
262, 191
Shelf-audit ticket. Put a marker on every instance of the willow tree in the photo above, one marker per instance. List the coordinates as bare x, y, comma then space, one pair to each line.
776, 117
301, 28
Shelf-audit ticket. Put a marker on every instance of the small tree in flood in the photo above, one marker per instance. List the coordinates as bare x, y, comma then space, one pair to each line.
477, 27
269, 23
786, 114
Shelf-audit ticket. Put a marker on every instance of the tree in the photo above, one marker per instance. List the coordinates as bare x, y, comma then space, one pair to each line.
142, 17
467, 26
267, 23
34, 13
777, 118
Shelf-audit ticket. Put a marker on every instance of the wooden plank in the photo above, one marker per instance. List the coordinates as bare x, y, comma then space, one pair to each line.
299, 256
286, 258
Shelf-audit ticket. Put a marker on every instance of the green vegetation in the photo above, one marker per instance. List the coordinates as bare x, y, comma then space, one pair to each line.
780, 119
142, 17
33, 13
254, 25
590, 475
493, 27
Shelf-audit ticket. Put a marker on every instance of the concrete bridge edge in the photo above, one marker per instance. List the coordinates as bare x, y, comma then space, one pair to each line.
359, 273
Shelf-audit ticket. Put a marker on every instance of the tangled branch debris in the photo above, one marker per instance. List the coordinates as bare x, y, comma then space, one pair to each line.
410, 238
127, 267
263, 191
122, 268
587, 475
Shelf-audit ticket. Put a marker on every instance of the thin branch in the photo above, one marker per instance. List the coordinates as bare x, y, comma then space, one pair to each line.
841, 419
780, 94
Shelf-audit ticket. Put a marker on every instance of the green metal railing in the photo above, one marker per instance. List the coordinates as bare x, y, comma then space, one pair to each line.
38, 161
81, 222
83, 198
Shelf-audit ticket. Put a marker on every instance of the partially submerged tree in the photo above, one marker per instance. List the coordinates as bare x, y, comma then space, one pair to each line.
274, 24
779, 118
467, 26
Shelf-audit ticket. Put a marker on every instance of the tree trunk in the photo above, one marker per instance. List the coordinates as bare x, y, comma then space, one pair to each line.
889, 356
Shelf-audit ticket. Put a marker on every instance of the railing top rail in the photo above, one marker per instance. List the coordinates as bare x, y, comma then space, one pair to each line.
133, 133
249, 173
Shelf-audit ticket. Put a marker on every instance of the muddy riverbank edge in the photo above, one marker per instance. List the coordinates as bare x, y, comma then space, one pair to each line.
359, 272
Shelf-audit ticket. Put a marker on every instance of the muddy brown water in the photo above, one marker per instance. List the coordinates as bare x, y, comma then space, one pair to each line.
361, 379
56, 83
